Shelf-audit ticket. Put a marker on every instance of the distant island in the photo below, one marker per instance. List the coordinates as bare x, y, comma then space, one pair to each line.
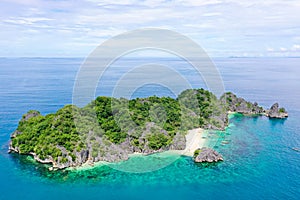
110, 129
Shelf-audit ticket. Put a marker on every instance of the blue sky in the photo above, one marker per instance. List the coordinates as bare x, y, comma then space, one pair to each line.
71, 28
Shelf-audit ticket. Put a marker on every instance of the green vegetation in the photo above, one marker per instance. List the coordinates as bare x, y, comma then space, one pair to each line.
158, 140
197, 152
281, 110
149, 122
44, 135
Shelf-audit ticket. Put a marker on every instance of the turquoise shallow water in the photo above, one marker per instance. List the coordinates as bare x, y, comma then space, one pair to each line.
259, 162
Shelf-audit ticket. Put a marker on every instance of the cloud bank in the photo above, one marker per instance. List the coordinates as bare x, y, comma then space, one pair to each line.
221, 27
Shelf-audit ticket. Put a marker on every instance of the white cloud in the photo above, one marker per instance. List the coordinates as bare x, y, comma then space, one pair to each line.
212, 14
198, 3
283, 49
296, 47
26, 20
228, 26
105, 33
201, 26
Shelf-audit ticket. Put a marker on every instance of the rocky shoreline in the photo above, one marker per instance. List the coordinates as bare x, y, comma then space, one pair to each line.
114, 153
240, 105
206, 154
100, 148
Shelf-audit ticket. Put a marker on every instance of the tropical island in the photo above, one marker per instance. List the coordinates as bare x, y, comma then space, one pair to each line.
110, 129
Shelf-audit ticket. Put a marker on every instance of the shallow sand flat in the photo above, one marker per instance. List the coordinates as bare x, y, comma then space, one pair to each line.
88, 166
194, 141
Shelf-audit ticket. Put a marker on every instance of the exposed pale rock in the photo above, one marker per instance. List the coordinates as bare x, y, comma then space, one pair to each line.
206, 154
276, 112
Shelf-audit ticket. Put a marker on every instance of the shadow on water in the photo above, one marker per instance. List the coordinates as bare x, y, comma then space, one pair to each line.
207, 165
276, 121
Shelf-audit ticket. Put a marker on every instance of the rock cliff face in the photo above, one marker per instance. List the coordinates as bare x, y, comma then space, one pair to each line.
207, 155
98, 148
240, 105
276, 112
56, 139
179, 142
109, 152
205, 108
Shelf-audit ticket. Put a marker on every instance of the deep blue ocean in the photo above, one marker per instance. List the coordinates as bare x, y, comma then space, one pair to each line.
259, 160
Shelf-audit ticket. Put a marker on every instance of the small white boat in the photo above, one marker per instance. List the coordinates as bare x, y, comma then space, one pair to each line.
225, 142
296, 149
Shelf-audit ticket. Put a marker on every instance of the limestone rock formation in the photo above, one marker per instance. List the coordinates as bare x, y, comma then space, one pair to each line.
72, 136
240, 105
206, 154
276, 112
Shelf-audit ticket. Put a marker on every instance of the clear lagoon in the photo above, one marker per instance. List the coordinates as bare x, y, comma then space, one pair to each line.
259, 160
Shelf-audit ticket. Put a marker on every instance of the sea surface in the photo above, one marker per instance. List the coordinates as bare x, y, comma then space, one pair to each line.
259, 160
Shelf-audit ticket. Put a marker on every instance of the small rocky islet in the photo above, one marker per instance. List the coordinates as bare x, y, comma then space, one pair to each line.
206, 154
110, 129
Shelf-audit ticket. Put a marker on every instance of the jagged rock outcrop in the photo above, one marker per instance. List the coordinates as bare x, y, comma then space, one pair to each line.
12, 149
240, 105
276, 112
82, 156
206, 154
58, 140
179, 142
30, 114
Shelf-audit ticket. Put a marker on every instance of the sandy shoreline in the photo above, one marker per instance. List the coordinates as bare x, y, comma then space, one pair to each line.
194, 140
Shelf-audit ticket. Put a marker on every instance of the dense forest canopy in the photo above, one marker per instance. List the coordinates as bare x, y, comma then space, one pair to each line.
109, 128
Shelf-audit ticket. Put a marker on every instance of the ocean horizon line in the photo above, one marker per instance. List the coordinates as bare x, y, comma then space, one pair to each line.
139, 57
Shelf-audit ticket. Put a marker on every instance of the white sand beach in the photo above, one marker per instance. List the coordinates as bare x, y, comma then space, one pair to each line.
194, 140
